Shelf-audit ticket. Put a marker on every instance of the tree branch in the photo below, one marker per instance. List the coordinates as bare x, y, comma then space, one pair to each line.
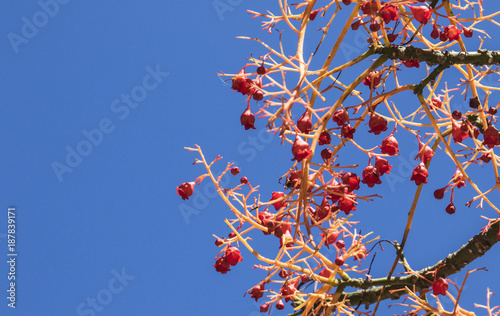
446, 58
369, 291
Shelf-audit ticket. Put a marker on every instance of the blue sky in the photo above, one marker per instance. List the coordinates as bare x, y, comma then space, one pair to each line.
97, 101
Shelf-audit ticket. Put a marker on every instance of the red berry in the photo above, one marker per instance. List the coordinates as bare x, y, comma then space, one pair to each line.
352, 180
231, 235
419, 174
300, 149
440, 287
382, 166
450, 209
304, 123
339, 261
340, 243
261, 70
264, 307
235, 170
279, 204
244, 180
456, 115
247, 119
347, 131
370, 176
221, 265
491, 137
219, 242
326, 154
421, 13
390, 145
439, 193
340, 117
185, 190
324, 138
280, 305
257, 292
377, 124
233, 255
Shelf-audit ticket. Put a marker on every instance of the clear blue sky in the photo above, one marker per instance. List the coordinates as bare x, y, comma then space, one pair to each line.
97, 101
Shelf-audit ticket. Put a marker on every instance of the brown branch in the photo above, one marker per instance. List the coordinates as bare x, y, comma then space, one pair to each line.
453, 263
446, 58
369, 291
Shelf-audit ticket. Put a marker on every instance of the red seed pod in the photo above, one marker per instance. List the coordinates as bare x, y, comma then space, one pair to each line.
258, 95
425, 153
369, 8
304, 123
382, 166
355, 26
435, 33
391, 37
300, 149
442, 36
352, 180
419, 174
264, 307
231, 235
457, 133
314, 13
279, 204
219, 242
247, 119
326, 154
238, 80
331, 236
409, 63
339, 261
324, 138
340, 243
233, 255
288, 289
389, 13
491, 137
370, 176
261, 70
244, 180
492, 111
280, 305
390, 145
185, 190
468, 32
346, 2
377, 124
459, 179
340, 117
372, 80
456, 115
361, 254
452, 33
325, 273
235, 170
436, 102
439, 193
257, 292
421, 13
283, 274
374, 27
450, 209
304, 278
439, 287
347, 131
347, 202
485, 157
221, 265
323, 210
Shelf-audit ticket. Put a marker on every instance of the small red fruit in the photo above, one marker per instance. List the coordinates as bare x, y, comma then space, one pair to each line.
235, 170
279, 204
233, 255
420, 174
304, 123
352, 180
370, 176
347, 131
244, 180
264, 307
257, 292
377, 124
382, 166
421, 13
247, 119
491, 137
221, 265
439, 193
450, 209
424, 153
390, 145
440, 287
280, 305
340, 117
324, 138
326, 154
340, 243
185, 190
300, 149
339, 261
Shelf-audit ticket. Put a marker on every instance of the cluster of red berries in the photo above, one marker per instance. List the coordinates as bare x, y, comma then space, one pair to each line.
230, 258
251, 88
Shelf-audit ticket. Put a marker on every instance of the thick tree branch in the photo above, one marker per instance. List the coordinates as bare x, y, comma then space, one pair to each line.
453, 263
482, 57
369, 291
